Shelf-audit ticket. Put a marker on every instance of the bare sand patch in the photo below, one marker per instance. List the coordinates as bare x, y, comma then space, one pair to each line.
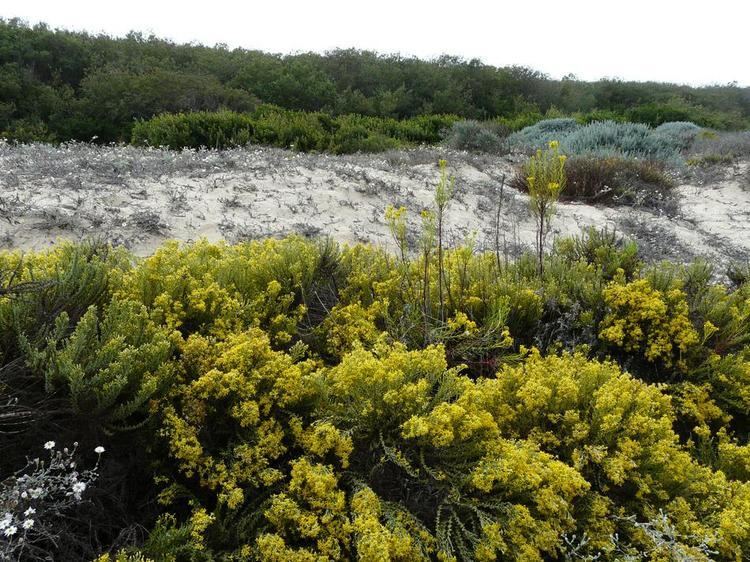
141, 197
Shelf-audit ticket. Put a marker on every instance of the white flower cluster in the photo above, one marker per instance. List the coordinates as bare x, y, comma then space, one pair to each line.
37, 494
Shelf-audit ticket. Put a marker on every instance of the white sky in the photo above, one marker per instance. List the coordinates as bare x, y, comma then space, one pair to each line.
687, 41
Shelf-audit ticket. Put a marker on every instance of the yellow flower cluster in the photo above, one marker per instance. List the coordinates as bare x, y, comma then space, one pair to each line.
215, 289
323, 438
314, 511
385, 386
315, 406
239, 386
349, 326
641, 318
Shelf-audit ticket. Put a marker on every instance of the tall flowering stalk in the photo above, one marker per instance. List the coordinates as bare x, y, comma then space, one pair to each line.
546, 179
443, 195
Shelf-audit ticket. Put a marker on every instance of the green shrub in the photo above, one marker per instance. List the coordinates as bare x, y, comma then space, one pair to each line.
657, 113
520, 121
603, 249
474, 137
109, 368
221, 129
26, 131
299, 130
739, 273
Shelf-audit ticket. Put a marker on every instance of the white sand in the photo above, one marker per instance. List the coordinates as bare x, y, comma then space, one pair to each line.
142, 197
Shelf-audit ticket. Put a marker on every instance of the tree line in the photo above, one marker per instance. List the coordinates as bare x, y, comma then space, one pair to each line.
58, 85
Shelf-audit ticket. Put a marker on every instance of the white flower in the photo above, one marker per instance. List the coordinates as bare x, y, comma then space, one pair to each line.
99, 450
36, 493
30, 511
49, 445
24, 495
5, 521
10, 531
28, 523
78, 489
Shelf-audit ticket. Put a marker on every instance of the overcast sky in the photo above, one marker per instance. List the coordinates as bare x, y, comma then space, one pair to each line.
688, 41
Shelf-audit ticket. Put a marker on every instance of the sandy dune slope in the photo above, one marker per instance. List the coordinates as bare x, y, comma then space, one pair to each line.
141, 197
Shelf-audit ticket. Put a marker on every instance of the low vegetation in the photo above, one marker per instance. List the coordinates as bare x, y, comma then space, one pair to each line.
303, 131
611, 180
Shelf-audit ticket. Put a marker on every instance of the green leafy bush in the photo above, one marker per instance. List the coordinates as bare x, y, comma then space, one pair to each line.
107, 369
656, 113
299, 130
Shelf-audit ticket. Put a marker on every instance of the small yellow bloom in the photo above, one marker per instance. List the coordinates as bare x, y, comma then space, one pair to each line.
554, 144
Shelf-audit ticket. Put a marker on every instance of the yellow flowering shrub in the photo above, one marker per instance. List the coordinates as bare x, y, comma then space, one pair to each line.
239, 388
397, 537
538, 494
734, 459
349, 326
409, 405
311, 512
380, 388
323, 438
616, 431
310, 403
218, 289
644, 320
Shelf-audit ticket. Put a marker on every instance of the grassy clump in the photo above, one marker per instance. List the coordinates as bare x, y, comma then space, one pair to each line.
711, 148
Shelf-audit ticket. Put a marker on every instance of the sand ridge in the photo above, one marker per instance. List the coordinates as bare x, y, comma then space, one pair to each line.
141, 197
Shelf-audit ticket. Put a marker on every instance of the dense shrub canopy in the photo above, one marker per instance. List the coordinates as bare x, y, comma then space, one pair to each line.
297, 400
59, 85
305, 131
